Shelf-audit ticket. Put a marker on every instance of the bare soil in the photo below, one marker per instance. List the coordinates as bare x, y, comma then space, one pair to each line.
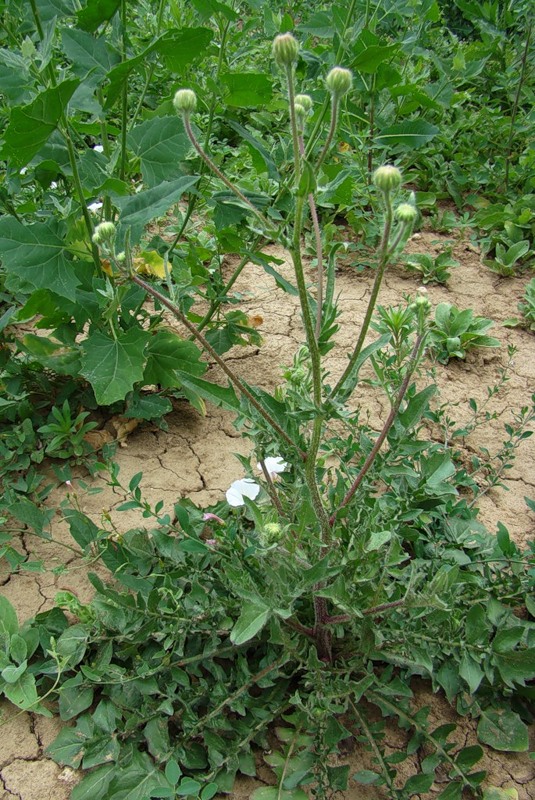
194, 458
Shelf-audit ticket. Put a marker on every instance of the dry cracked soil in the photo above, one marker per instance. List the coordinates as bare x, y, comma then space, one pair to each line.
195, 458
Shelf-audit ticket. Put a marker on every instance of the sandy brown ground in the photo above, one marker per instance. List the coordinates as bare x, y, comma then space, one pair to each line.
195, 459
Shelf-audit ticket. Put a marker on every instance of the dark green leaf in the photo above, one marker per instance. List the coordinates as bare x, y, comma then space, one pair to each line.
369, 59
37, 254
416, 407
162, 144
113, 366
138, 210
247, 89
74, 699
166, 353
94, 786
411, 134
88, 53
9, 623
96, 12
503, 730
251, 620
223, 396
30, 126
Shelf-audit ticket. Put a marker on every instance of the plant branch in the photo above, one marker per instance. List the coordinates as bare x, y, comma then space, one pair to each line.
207, 347
413, 362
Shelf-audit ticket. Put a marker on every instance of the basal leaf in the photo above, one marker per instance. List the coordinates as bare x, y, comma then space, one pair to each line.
37, 254
162, 144
503, 730
138, 210
411, 134
113, 366
30, 126
249, 623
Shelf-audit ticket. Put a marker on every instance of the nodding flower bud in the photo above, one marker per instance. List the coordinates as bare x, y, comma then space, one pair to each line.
285, 49
305, 101
406, 213
339, 81
387, 178
185, 101
104, 232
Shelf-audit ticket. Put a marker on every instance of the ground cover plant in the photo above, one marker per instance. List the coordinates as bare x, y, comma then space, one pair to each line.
347, 560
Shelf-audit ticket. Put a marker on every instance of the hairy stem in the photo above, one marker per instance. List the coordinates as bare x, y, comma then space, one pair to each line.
384, 252
413, 362
332, 131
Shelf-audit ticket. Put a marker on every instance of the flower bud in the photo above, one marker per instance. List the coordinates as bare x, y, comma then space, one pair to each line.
285, 49
339, 81
406, 213
387, 178
121, 257
104, 232
185, 101
305, 101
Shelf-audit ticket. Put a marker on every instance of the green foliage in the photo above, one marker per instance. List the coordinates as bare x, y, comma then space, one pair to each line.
312, 597
454, 332
527, 309
432, 270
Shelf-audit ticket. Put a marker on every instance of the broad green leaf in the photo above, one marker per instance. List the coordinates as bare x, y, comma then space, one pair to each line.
377, 540
223, 396
30, 126
37, 254
468, 756
416, 407
14, 83
23, 693
162, 144
503, 730
137, 781
12, 672
188, 787
318, 24
517, 666
369, 59
207, 8
138, 210
73, 700
249, 623
88, 53
471, 672
113, 366
247, 89
73, 643
36, 517
147, 406
96, 12
82, 529
94, 786
417, 784
411, 134
178, 48
166, 353
67, 748
9, 623
182, 46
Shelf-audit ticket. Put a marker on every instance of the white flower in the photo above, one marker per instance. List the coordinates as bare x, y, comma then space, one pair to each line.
274, 465
245, 487
98, 148
54, 185
94, 207
23, 171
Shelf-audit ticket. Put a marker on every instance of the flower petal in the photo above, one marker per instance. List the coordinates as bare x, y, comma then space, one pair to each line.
245, 487
273, 464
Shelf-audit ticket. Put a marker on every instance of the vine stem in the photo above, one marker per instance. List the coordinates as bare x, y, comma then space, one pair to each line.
413, 362
207, 347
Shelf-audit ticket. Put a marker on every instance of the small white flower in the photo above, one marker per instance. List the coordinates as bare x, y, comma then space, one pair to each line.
245, 487
54, 185
98, 148
94, 207
274, 465
23, 171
